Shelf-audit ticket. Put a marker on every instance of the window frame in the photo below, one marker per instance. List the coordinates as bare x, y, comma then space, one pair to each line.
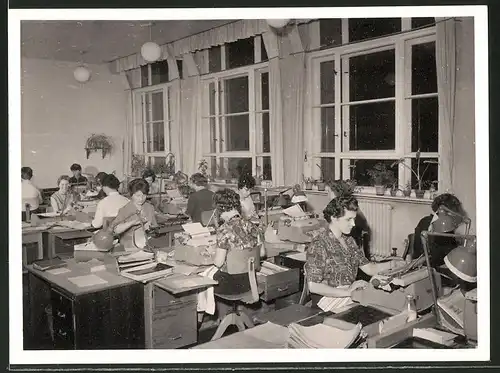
402, 44
255, 111
140, 127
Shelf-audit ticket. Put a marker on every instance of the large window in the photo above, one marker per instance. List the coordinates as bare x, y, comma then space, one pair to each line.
236, 110
374, 100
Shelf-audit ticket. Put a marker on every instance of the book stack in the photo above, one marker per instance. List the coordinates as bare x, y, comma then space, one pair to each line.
142, 266
43, 265
137, 259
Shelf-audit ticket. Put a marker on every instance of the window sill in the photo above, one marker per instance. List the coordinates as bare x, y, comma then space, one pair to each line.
374, 197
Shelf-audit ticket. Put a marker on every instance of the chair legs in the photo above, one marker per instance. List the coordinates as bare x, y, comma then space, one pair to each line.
238, 318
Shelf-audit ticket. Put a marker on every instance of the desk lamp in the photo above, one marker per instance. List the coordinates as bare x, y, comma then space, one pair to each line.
461, 260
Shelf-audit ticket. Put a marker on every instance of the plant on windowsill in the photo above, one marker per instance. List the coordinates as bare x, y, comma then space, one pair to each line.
138, 165
381, 178
308, 182
421, 184
321, 182
97, 142
344, 187
407, 190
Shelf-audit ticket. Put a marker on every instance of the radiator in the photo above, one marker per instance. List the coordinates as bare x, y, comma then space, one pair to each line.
379, 220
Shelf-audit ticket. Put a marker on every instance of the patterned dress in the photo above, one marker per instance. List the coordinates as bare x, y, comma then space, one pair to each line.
235, 234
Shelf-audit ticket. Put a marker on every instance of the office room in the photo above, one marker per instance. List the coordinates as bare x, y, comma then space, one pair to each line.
195, 181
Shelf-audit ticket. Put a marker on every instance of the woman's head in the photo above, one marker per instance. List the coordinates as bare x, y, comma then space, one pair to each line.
110, 183
450, 201
63, 183
341, 213
99, 178
226, 200
138, 189
149, 175
246, 183
198, 181
76, 169
26, 173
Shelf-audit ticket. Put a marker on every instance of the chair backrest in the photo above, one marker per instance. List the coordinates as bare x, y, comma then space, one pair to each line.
305, 291
236, 260
208, 217
253, 279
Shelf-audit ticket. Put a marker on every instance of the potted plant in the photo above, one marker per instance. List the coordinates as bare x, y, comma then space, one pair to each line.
138, 165
308, 182
381, 178
343, 187
394, 188
420, 191
320, 183
97, 142
407, 190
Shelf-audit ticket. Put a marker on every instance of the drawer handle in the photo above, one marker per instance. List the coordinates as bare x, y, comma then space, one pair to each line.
175, 301
62, 333
176, 337
61, 315
283, 289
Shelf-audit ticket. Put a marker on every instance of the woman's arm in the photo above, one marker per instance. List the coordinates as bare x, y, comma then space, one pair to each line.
220, 257
126, 225
372, 268
327, 290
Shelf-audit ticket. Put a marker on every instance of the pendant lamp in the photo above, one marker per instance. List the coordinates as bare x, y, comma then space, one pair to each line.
81, 73
150, 51
278, 23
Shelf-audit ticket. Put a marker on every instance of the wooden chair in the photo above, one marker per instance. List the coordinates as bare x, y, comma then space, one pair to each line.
238, 317
305, 295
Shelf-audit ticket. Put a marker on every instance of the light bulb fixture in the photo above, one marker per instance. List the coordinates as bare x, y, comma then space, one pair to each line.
81, 73
278, 23
150, 51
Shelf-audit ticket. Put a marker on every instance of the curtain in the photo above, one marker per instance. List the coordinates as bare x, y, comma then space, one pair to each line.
446, 82
276, 122
191, 125
293, 90
175, 124
128, 141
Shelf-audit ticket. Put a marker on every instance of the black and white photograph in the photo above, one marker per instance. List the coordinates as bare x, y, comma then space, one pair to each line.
301, 178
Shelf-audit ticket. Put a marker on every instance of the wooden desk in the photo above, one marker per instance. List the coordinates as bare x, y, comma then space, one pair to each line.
31, 236
105, 316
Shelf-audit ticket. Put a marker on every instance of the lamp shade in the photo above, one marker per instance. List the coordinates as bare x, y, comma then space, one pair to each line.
82, 74
103, 240
278, 23
462, 261
447, 220
150, 51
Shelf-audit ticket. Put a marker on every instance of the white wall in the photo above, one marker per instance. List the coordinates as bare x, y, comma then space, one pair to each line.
58, 114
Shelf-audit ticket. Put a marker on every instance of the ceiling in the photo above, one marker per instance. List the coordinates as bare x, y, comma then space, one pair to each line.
96, 42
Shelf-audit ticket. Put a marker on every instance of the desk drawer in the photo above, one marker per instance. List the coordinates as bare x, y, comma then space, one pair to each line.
163, 298
174, 326
279, 284
62, 320
63, 246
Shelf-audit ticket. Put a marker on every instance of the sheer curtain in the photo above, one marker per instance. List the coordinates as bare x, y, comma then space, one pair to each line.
446, 81
130, 78
276, 121
175, 124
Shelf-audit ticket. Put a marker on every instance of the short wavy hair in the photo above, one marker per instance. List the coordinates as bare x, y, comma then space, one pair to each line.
138, 185
450, 201
227, 200
61, 178
337, 207
75, 167
100, 177
199, 179
26, 173
111, 181
149, 173
246, 180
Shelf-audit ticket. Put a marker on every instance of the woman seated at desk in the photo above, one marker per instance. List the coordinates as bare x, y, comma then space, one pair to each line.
63, 200
234, 234
333, 257
135, 218
99, 178
201, 200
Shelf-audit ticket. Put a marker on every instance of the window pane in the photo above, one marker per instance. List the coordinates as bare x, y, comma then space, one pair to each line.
144, 76
367, 28
179, 67
265, 91
157, 103
372, 126
240, 53
428, 172
234, 167
159, 161
169, 99
263, 51
359, 170
214, 168
422, 22
237, 133
158, 137
213, 135
424, 124
327, 129
264, 168
235, 95
148, 107
266, 140
214, 60
211, 98
327, 78
327, 169
159, 72
424, 75
330, 32
372, 76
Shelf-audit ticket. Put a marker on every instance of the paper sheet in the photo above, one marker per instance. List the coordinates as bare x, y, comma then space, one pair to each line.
98, 268
298, 256
195, 229
295, 212
87, 280
58, 271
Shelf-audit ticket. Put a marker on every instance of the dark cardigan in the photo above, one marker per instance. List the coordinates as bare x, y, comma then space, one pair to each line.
439, 247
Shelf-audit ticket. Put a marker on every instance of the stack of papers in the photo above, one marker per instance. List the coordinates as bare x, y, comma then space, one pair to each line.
137, 259
434, 335
321, 336
43, 265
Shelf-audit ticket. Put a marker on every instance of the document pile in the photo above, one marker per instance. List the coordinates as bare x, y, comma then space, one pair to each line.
195, 245
137, 259
141, 266
322, 336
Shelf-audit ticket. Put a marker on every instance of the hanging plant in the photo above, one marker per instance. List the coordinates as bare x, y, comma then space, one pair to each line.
98, 142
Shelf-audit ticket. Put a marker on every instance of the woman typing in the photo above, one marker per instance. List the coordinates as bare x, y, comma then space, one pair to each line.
235, 234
